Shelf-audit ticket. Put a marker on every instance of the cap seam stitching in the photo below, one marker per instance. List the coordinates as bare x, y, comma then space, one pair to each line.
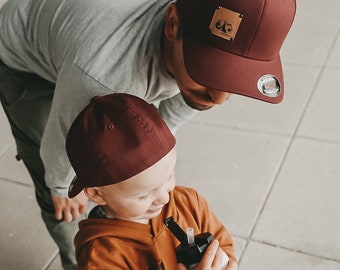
257, 28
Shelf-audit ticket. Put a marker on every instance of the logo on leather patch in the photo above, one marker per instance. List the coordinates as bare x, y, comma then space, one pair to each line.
225, 23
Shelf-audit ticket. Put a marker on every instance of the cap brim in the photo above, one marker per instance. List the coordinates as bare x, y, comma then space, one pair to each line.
75, 188
221, 70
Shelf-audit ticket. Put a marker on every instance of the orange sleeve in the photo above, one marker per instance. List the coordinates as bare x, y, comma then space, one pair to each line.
209, 222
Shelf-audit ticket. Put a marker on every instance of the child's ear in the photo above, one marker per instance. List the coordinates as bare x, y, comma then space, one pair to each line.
94, 194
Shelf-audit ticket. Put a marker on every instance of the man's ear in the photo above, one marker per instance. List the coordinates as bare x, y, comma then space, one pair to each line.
94, 194
171, 22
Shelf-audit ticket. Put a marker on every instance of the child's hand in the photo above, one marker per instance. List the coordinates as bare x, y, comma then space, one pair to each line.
211, 260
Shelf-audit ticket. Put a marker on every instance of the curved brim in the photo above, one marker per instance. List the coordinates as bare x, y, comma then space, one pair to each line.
221, 70
76, 187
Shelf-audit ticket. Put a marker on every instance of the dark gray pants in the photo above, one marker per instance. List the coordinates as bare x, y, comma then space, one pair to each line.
26, 99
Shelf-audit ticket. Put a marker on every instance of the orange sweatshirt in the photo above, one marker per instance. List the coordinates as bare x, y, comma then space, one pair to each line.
117, 244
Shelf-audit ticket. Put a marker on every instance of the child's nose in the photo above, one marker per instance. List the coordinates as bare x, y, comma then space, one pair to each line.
162, 196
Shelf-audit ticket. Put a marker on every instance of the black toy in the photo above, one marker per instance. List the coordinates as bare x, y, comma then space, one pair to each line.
188, 253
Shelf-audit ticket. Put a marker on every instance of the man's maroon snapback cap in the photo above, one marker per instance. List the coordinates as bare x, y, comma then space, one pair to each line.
234, 45
114, 138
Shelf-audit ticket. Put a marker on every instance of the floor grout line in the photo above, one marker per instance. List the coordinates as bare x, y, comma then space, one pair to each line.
2, 179
248, 240
293, 137
54, 256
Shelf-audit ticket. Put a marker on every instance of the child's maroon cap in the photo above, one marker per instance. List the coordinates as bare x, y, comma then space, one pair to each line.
234, 45
114, 138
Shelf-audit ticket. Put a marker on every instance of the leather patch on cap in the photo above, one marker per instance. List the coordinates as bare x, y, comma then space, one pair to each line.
225, 23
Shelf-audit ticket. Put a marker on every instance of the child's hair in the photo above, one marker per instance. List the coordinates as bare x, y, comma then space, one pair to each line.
113, 138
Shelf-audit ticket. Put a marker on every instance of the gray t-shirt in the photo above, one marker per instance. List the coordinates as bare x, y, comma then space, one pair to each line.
89, 48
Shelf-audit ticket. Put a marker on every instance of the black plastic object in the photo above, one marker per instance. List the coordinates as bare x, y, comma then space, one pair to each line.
188, 253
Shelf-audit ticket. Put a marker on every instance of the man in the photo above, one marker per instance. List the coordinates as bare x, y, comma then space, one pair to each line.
184, 56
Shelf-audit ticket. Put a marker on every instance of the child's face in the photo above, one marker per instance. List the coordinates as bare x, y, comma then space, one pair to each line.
143, 196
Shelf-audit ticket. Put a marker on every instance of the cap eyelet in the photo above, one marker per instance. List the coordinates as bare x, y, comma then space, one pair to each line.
269, 86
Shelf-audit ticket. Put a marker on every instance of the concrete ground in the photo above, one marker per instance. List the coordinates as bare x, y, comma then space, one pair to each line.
270, 172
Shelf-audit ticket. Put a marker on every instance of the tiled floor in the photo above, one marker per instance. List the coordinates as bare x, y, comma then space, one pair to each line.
270, 172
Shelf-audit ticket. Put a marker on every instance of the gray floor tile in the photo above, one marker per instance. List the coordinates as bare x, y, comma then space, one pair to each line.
324, 9
302, 212
24, 240
6, 136
240, 245
13, 170
334, 59
312, 34
55, 264
264, 257
322, 117
232, 169
244, 113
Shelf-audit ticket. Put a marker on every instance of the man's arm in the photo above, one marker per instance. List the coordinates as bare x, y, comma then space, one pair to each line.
73, 92
175, 112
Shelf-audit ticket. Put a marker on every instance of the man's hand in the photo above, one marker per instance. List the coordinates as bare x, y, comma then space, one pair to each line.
69, 209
